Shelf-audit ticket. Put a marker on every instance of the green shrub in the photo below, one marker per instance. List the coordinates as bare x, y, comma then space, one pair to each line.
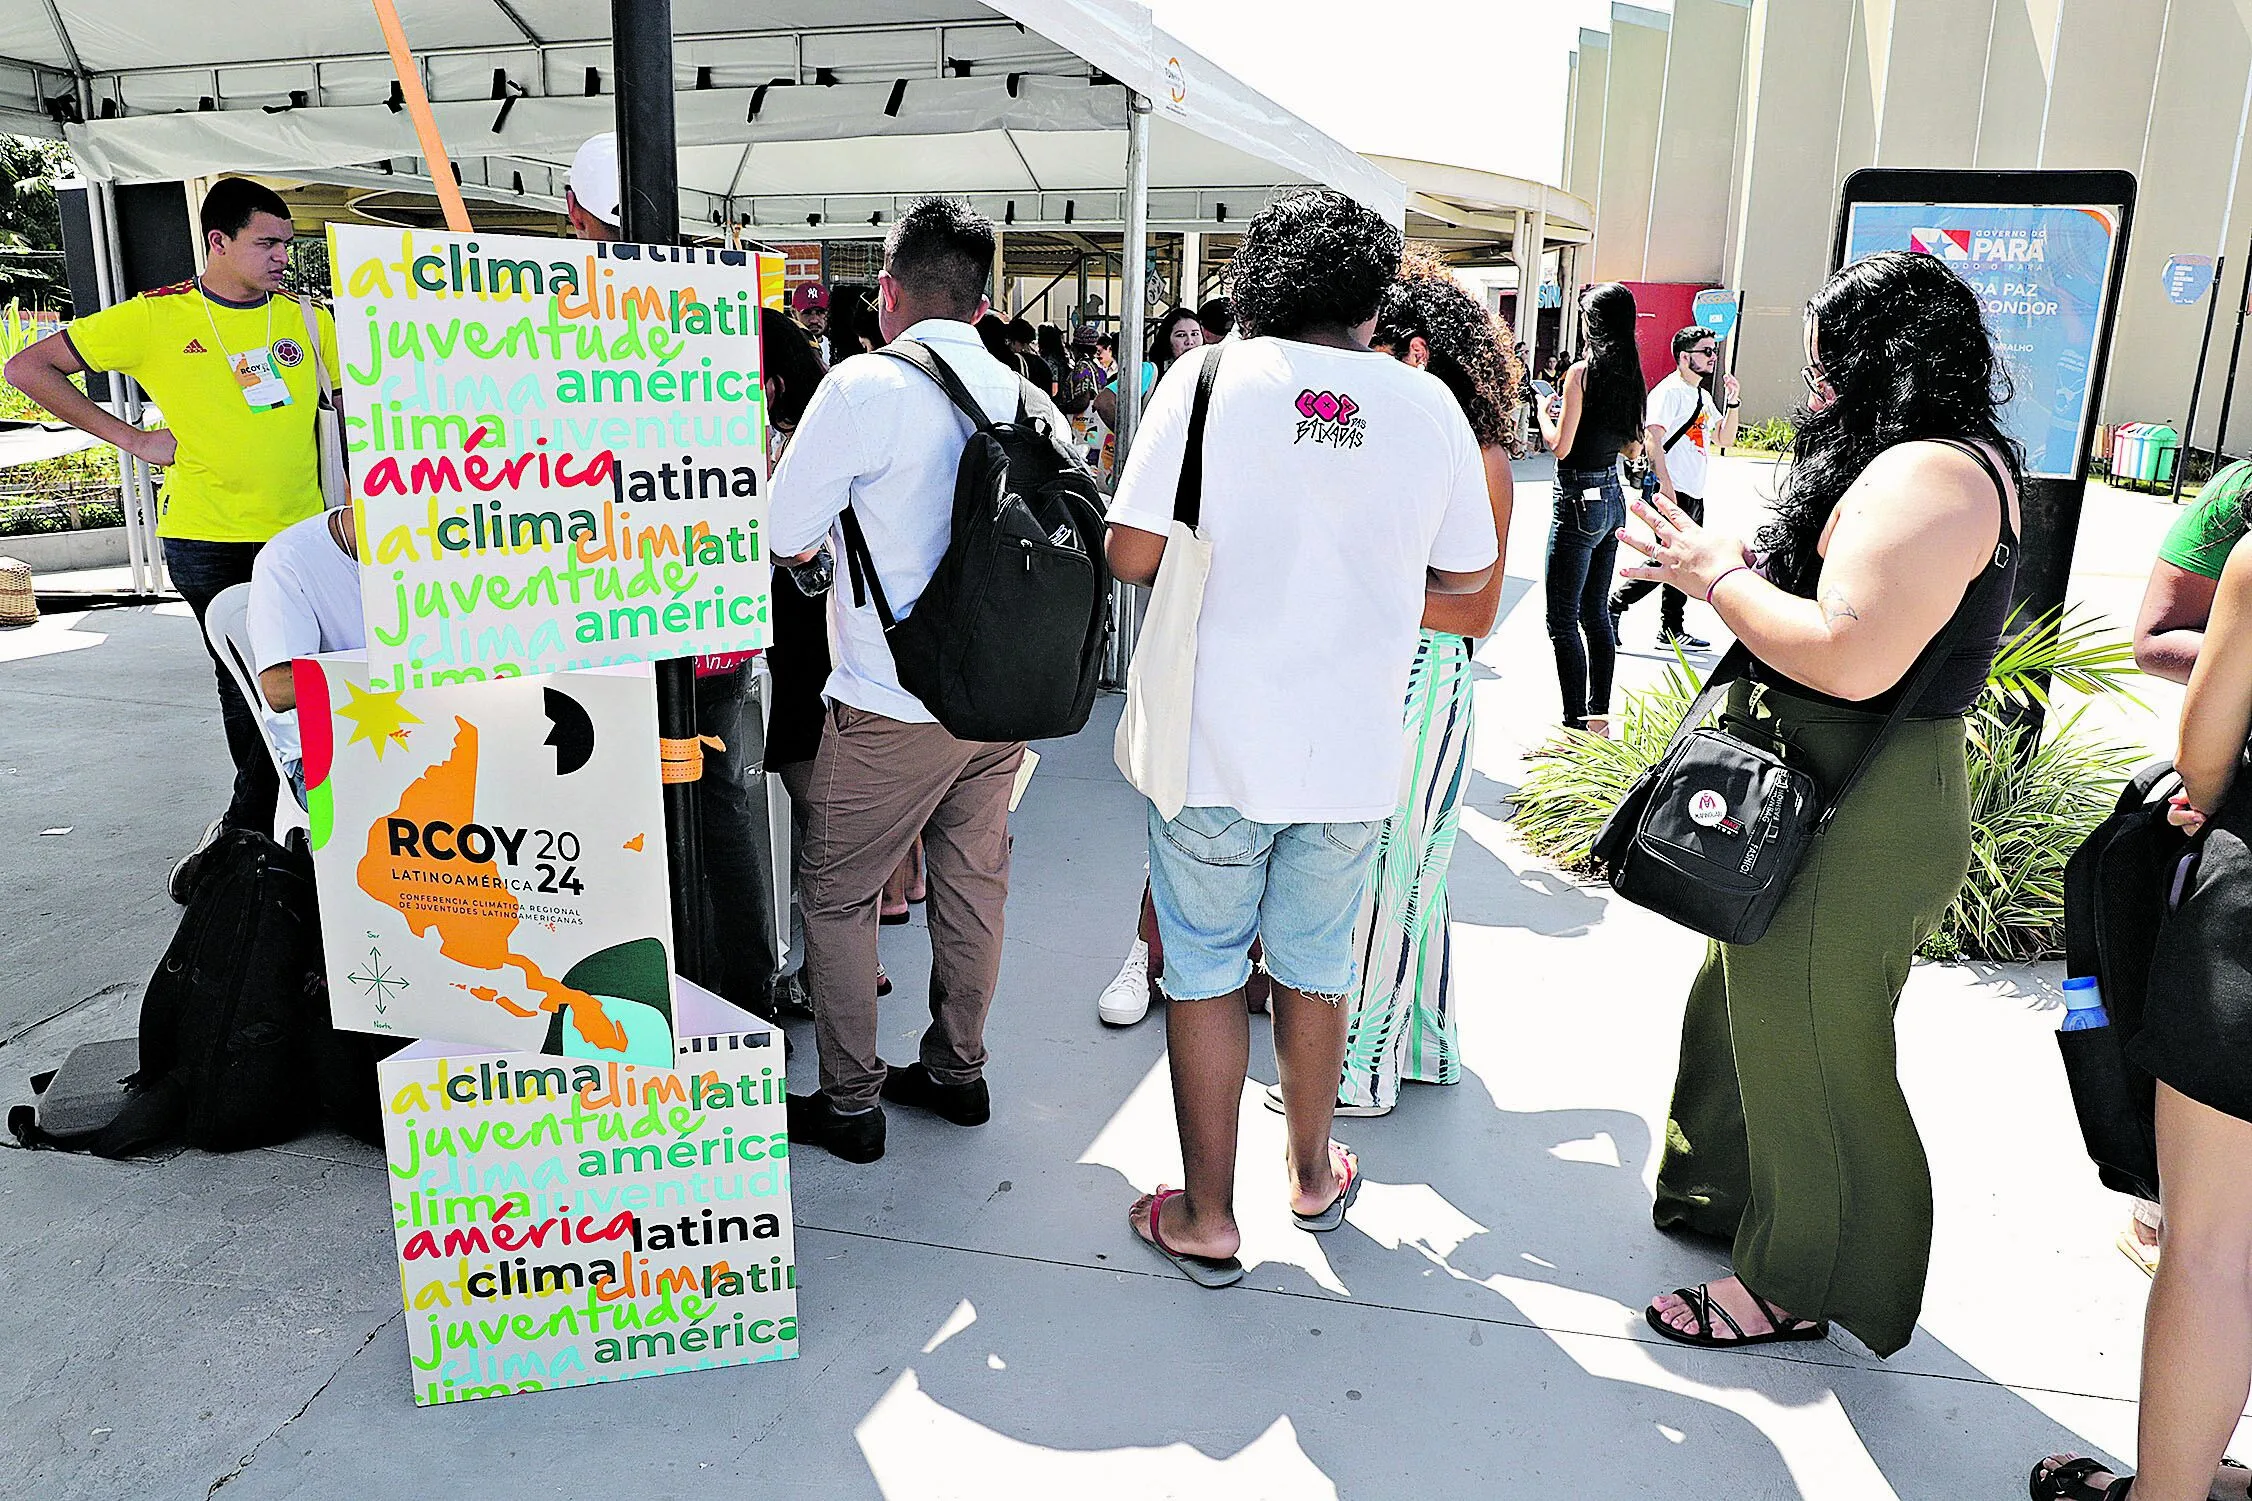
2032, 803
1772, 436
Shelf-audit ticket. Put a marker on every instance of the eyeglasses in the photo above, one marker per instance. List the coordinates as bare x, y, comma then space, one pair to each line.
1815, 377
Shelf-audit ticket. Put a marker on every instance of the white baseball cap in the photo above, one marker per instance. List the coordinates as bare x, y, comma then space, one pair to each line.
594, 177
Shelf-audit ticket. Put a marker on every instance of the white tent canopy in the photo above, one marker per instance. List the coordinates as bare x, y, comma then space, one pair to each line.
826, 113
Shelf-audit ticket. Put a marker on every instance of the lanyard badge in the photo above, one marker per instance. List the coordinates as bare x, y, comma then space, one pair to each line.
263, 389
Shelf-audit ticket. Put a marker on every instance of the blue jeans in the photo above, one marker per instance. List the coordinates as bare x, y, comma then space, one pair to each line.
1583, 548
1218, 880
200, 571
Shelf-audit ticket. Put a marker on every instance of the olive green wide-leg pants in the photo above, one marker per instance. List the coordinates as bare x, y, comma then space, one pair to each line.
1789, 1133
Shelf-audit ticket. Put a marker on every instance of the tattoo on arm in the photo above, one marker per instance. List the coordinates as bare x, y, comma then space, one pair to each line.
1837, 607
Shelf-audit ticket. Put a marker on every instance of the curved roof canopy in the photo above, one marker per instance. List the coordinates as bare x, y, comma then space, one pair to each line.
816, 116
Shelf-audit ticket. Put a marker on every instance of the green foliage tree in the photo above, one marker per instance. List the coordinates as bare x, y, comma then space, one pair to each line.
31, 231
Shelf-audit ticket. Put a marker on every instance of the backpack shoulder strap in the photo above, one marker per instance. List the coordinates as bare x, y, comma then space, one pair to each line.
924, 358
1188, 496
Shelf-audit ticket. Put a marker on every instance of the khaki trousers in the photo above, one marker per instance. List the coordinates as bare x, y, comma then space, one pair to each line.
876, 784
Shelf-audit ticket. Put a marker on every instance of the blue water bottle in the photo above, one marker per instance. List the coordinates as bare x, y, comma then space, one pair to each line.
2083, 1005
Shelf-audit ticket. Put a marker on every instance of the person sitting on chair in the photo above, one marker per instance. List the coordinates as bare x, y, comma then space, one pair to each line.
304, 600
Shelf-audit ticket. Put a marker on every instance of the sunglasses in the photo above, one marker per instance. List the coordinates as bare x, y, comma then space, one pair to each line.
1815, 377
1705, 353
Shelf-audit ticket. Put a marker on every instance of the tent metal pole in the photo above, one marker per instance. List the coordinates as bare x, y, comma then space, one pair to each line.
1132, 275
649, 201
109, 285
135, 411
1125, 599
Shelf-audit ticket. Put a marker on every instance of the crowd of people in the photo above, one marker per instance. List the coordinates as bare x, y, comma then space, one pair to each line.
1349, 415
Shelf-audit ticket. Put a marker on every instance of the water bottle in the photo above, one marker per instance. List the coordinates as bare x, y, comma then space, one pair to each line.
2083, 1005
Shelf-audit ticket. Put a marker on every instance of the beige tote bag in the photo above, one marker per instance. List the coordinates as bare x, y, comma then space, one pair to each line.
1152, 748
328, 420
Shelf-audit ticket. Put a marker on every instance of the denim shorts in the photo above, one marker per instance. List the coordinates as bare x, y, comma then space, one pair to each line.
1219, 880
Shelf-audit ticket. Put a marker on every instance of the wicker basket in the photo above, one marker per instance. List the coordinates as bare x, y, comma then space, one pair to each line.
17, 604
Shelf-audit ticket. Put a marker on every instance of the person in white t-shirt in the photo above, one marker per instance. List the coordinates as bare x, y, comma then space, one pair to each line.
1343, 489
1681, 427
304, 600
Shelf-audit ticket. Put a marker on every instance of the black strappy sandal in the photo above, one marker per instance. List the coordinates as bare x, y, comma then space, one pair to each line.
1781, 1330
2069, 1481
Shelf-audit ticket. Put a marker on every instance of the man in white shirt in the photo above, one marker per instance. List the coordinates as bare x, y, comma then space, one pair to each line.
304, 600
1682, 427
1341, 489
883, 438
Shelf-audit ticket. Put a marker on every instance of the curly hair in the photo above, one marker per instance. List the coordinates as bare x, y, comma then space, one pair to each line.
1472, 350
1312, 258
1903, 343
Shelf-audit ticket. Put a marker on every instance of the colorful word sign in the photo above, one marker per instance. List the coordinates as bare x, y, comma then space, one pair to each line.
490, 859
564, 1222
557, 450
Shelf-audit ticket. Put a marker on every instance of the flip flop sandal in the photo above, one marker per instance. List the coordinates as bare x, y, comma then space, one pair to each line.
1332, 1216
2069, 1481
1204, 1271
1702, 1307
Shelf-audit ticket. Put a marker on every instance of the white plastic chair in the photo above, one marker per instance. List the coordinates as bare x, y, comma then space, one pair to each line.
226, 625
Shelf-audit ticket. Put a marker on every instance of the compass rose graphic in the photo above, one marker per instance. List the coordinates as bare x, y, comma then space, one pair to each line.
379, 981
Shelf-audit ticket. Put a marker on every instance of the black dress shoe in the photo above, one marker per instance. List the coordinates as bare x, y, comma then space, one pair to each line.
855, 1138
968, 1104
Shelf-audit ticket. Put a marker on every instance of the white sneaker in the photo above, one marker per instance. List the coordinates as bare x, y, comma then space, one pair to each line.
1125, 1000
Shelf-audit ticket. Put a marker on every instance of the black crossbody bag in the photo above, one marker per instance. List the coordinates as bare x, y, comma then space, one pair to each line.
1713, 833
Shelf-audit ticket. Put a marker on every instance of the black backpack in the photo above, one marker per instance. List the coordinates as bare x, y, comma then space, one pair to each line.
236, 1046
2118, 889
1007, 640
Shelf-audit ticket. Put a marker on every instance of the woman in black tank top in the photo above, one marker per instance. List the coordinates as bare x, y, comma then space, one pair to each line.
1894, 547
1593, 416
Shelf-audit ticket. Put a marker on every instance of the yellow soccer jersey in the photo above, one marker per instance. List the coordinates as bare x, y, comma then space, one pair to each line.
238, 390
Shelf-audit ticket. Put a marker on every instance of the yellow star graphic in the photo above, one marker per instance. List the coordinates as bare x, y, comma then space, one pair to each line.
377, 718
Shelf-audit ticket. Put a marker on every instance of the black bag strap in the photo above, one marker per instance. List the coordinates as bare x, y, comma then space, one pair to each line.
860, 565
1188, 495
1737, 662
1689, 421
861, 568
924, 358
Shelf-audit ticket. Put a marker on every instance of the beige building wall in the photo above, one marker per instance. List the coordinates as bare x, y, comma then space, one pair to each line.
1583, 142
1934, 76
1795, 78
1631, 105
2183, 205
2103, 75
2157, 87
2020, 50
1691, 192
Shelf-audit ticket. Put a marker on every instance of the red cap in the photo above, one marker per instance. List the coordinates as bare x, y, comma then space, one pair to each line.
811, 295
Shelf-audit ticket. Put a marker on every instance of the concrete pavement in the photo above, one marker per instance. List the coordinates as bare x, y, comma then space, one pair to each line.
978, 1321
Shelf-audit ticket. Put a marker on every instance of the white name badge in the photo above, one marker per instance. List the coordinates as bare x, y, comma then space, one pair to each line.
262, 385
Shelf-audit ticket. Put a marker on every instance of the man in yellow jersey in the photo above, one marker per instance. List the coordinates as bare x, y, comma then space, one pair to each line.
231, 365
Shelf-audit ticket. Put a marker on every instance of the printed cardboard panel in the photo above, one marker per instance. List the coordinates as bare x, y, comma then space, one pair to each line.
562, 1222
490, 859
557, 450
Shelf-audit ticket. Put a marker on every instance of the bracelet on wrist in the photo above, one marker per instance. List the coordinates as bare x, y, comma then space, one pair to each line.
1716, 583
